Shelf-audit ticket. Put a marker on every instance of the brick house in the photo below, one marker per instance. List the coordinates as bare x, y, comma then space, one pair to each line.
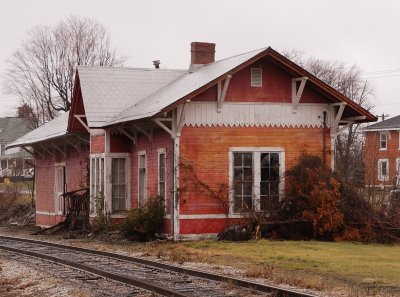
212, 140
382, 153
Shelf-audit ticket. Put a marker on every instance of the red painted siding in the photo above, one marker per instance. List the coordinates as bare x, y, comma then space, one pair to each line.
276, 87
97, 144
120, 144
206, 150
76, 169
161, 139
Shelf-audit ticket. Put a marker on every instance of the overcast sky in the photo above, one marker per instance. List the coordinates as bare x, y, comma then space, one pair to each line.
365, 33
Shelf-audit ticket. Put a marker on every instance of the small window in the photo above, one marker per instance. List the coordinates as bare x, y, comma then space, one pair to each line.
256, 77
142, 178
383, 170
383, 142
2, 149
161, 174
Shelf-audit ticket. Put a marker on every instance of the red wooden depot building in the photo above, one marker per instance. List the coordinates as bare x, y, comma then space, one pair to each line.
211, 139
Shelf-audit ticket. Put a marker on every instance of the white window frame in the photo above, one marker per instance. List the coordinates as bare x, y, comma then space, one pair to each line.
256, 151
382, 177
399, 139
397, 172
142, 153
161, 151
125, 183
96, 175
58, 200
107, 179
252, 77
386, 141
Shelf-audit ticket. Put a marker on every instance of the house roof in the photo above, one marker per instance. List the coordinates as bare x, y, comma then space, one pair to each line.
12, 128
107, 91
389, 124
199, 79
53, 129
186, 84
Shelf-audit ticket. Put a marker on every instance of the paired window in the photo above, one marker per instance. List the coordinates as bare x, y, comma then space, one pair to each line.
142, 177
118, 181
383, 169
256, 77
161, 173
383, 140
256, 180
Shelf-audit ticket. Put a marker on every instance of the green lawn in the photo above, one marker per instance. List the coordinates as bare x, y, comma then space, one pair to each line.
321, 265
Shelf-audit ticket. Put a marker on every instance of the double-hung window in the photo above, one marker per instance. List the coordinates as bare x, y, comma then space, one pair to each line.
142, 168
118, 181
383, 169
256, 178
383, 141
161, 173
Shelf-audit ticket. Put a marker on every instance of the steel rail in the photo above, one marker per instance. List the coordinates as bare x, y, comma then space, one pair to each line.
275, 290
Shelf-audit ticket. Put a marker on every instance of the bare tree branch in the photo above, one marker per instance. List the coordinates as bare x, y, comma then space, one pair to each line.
41, 73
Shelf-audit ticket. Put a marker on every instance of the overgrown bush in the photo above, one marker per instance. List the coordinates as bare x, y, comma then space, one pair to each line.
146, 221
313, 194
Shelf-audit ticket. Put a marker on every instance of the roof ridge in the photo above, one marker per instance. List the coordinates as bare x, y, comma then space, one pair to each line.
127, 68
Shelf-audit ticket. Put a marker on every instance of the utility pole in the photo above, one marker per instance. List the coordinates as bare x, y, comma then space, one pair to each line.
383, 116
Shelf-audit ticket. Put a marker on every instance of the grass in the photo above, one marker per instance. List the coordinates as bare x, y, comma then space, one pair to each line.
338, 268
311, 264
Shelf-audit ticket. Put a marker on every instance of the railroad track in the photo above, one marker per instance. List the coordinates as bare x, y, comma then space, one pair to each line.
139, 276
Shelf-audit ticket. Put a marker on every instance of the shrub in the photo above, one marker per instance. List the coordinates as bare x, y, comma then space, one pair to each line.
145, 221
313, 194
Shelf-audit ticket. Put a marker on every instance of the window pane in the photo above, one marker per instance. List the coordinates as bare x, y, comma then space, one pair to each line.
248, 159
265, 174
247, 202
237, 159
264, 159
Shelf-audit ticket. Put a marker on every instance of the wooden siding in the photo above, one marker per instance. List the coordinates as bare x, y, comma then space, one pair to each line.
276, 87
256, 115
206, 150
97, 144
76, 178
161, 140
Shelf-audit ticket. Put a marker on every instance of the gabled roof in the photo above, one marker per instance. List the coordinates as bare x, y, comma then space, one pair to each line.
188, 83
13, 128
196, 81
107, 91
53, 129
389, 124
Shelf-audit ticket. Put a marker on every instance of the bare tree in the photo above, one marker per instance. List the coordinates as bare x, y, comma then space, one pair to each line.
41, 72
347, 79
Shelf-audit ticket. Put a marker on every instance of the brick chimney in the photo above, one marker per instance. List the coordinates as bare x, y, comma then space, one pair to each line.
202, 53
